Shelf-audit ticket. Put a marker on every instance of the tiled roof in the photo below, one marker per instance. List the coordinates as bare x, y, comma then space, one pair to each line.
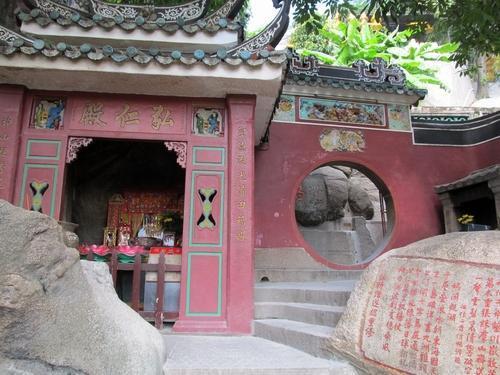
26, 46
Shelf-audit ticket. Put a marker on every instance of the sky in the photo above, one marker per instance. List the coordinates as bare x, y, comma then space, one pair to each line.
262, 13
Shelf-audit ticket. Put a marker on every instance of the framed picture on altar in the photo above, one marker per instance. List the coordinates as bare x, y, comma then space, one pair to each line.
124, 235
109, 236
169, 239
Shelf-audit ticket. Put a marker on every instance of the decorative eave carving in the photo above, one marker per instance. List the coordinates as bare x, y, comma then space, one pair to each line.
270, 36
74, 145
180, 149
8, 36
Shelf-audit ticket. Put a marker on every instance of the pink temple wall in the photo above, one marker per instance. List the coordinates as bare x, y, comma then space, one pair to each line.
410, 172
217, 266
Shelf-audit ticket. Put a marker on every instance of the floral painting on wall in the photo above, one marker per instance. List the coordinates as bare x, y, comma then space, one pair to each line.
342, 140
285, 111
342, 111
48, 113
208, 121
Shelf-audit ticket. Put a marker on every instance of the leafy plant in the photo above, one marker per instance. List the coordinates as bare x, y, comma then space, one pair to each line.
472, 23
343, 43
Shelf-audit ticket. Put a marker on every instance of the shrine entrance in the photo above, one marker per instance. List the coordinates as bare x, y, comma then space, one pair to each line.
144, 175
127, 200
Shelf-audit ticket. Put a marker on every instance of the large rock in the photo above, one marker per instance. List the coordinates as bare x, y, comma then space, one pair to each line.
336, 190
56, 317
311, 206
427, 308
359, 201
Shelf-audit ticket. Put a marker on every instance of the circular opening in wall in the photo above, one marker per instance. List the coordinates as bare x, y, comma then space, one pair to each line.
345, 213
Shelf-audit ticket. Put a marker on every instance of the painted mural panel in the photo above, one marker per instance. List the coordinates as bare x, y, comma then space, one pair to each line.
39, 185
312, 109
207, 207
204, 269
128, 116
399, 117
208, 122
48, 113
285, 111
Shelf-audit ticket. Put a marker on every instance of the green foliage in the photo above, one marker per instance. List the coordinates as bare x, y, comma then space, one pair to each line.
472, 23
343, 43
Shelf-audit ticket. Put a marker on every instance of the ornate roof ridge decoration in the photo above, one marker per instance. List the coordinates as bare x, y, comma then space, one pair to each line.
61, 7
17, 43
375, 76
228, 10
270, 36
99, 10
38, 16
191, 11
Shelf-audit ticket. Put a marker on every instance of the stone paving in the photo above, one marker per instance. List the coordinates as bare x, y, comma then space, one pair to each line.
237, 355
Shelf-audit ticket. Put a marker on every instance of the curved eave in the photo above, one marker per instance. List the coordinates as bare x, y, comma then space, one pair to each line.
182, 40
38, 72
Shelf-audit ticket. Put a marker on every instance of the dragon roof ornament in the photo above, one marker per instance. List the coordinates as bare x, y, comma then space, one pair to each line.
270, 36
375, 72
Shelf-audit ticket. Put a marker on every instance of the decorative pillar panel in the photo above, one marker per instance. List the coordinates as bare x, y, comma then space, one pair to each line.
11, 110
39, 188
204, 284
205, 252
241, 226
206, 222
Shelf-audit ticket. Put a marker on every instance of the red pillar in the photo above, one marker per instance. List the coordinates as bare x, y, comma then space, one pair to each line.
240, 284
11, 112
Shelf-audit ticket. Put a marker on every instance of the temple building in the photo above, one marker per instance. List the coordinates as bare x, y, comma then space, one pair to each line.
163, 127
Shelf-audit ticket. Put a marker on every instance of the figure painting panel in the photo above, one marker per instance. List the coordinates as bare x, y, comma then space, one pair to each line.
48, 113
208, 122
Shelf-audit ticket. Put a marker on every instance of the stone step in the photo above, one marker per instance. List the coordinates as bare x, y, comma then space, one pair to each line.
302, 312
219, 355
333, 293
309, 338
304, 274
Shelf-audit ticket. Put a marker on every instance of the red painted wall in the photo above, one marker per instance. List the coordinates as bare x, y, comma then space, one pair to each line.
410, 172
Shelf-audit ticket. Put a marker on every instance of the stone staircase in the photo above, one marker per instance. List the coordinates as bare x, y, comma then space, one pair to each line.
298, 301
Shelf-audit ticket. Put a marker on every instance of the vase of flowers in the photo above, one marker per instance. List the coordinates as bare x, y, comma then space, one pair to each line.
468, 225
